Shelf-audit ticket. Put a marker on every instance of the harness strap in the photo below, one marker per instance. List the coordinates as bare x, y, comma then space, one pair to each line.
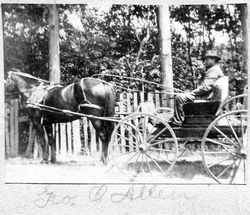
90, 106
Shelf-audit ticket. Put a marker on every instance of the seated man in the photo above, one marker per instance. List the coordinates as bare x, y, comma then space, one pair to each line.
213, 72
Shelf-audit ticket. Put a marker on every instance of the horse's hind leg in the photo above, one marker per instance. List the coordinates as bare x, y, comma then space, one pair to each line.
105, 134
103, 130
51, 141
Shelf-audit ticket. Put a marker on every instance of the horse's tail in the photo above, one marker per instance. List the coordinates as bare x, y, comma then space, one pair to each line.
110, 99
109, 108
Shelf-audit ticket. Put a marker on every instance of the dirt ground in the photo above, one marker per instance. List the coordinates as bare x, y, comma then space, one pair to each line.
88, 169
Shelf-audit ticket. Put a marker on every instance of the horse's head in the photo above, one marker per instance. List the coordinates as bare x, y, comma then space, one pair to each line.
18, 82
11, 82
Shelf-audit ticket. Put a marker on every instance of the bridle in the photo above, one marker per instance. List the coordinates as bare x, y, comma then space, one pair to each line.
13, 84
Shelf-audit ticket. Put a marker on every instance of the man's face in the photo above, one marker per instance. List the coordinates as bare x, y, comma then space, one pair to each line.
209, 62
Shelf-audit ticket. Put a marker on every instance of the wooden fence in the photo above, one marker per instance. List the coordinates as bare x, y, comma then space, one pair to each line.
74, 137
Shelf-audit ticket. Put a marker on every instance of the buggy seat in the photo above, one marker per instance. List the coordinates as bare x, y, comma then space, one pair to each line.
203, 112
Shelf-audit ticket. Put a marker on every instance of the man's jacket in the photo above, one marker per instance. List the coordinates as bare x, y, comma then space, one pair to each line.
207, 82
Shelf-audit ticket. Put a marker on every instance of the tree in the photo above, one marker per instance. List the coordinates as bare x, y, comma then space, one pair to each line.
165, 51
54, 52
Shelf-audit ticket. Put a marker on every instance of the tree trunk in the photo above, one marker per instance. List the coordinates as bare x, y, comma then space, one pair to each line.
54, 52
165, 53
243, 18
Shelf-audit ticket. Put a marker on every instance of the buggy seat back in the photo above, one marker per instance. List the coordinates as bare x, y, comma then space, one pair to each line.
202, 112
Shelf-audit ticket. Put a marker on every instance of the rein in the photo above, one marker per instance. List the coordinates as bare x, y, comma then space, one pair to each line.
138, 79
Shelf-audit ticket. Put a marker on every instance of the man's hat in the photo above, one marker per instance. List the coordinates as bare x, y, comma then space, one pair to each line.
212, 53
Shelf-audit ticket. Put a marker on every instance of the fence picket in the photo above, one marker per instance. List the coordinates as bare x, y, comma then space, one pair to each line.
69, 137
157, 99
63, 139
85, 134
76, 137
135, 101
93, 145
56, 132
142, 97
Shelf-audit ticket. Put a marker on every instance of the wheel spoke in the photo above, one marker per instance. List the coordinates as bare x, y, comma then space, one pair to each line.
126, 139
136, 162
144, 127
142, 161
153, 127
157, 135
121, 145
163, 150
235, 171
132, 134
124, 153
209, 166
130, 159
161, 158
224, 135
222, 173
221, 144
149, 168
155, 163
218, 153
234, 133
159, 142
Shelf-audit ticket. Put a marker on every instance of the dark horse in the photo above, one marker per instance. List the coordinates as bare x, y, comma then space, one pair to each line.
87, 95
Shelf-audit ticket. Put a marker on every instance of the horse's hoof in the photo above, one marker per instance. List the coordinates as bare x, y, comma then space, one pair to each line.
28, 156
53, 160
104, 161
44, 162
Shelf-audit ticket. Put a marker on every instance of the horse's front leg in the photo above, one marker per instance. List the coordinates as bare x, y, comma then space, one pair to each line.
43, 142
51, 141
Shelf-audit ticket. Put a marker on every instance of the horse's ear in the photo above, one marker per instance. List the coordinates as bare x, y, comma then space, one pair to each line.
78, 92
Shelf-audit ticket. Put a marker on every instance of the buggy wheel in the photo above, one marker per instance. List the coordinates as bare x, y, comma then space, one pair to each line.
138, 149
238, 102
224, 148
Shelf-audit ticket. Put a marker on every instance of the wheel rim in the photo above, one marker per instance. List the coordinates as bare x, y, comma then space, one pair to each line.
233, 104
138, 148
224, 148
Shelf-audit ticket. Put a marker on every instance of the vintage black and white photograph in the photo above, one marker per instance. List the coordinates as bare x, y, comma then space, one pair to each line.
125, 93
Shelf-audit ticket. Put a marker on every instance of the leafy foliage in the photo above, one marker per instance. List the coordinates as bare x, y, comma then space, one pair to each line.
108, 42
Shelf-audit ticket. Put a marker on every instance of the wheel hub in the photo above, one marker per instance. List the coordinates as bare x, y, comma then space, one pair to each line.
243, 153
143, 147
